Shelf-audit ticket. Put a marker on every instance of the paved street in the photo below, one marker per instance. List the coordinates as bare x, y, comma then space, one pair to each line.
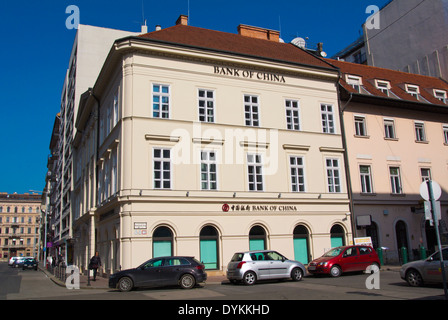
17, 284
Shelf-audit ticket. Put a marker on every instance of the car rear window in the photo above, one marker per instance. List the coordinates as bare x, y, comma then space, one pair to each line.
237, 257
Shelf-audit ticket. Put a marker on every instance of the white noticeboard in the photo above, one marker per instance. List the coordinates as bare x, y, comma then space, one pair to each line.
367, 241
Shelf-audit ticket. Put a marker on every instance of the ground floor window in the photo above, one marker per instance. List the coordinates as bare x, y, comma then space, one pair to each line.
301, 244
337, 235
209, 247
162, 242
257, 238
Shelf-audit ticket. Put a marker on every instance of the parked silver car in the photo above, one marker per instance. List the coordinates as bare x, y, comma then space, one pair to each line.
251, 266
416, 273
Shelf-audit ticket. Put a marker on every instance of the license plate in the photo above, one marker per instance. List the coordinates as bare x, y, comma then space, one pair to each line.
311, 268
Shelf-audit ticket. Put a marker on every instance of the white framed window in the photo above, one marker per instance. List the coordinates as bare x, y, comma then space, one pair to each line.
161, 101
251, 110
333, 175
114, 173
297, 169
116, 110
441, 95
366, 179
292, 115
383, 86
412, 90
395, 180
209, 180
389, 129
255, 172
360, 126
206, 105
355, 82
419, 131
425, 173
327, 117
445, 133
162, 168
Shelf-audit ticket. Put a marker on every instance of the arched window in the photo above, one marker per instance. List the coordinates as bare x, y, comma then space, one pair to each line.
257, 238
301, 244
337, 236
209, 240
162, 242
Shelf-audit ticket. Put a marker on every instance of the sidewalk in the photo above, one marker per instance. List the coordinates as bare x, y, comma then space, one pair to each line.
103, 283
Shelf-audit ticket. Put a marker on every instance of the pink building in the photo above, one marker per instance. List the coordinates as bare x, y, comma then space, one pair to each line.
396, 135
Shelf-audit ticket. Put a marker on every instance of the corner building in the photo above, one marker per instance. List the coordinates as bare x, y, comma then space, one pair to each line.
210, 143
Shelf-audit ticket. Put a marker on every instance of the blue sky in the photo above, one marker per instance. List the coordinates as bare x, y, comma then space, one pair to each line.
36, 47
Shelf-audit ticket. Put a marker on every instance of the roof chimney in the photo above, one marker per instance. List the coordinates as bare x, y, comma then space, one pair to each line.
258, 33
183, 20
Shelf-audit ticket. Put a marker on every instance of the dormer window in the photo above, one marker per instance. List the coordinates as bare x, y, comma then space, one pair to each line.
383, 86
355, 82
441, 95
412, 90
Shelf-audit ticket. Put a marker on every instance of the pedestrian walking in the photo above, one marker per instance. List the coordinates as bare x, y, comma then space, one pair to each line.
95, 263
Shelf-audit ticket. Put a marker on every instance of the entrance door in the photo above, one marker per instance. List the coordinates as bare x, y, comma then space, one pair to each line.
301, 244
257, 238
209, 247
337, 236
402, 237
162, 242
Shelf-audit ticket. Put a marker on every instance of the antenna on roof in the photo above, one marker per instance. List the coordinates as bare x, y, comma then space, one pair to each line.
189, 19
144, 26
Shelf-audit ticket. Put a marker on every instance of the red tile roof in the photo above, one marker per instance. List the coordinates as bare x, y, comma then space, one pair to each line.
397, 80
235, 44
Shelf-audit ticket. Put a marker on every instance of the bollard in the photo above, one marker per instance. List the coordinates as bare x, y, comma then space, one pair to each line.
423, 253
379, 251
404, 255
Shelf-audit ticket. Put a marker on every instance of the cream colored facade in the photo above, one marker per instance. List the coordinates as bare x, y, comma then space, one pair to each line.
19, 225
135, 220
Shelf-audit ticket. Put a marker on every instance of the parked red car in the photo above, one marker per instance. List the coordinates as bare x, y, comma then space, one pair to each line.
344, 259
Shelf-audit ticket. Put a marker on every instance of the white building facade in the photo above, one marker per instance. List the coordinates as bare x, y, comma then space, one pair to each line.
89, 51
211, 143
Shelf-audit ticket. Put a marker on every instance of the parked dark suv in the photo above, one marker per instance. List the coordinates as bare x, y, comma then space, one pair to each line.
164, 271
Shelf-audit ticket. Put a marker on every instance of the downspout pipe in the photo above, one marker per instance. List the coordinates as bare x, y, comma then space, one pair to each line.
346, 160
92, 250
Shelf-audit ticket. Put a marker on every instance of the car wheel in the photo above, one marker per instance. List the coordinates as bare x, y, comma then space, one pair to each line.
413, 278
297, 274
249, 278
125, 284
187, 281
335, 271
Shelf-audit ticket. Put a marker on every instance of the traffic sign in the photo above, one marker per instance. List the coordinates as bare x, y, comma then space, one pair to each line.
436, 190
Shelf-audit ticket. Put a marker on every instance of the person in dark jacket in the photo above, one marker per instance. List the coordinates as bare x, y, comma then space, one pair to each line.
94, 264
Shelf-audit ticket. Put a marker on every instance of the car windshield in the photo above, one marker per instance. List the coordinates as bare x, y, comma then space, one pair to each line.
333, 252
